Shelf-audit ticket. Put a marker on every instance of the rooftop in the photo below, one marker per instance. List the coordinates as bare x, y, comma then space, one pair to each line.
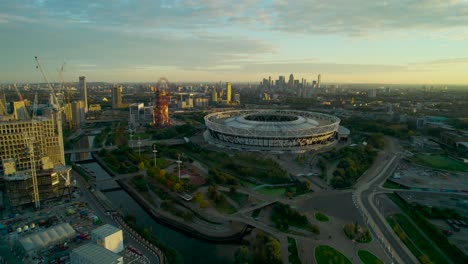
105, 230
96, 254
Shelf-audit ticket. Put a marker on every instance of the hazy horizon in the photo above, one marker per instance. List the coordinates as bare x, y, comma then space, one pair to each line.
391, 42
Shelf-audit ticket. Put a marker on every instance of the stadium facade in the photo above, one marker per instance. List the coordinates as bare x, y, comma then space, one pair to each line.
271, 130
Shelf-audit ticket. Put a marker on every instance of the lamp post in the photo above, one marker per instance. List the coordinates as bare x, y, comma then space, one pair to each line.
155, 153
139, 147
178, 164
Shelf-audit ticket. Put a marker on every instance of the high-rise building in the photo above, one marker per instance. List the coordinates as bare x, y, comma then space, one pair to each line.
83, 92
228, 92
237, 98
32, 160
77, 114
186, 102
291, 81
214, 96
372, 93
319, 81
281, 81
200, 102
116, 97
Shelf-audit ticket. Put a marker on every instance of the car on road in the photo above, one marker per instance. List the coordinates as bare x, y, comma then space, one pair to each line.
447, 232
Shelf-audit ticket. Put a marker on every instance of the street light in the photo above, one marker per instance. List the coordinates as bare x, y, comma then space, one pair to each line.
139, 147
155, 153
178, 164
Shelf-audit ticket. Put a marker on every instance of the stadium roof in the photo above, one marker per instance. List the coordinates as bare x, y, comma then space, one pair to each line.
46, 237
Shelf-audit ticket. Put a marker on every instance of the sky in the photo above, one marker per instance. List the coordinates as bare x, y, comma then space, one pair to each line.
347, 41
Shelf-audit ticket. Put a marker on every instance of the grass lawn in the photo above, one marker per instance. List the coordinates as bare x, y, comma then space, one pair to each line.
425, 247
293, 254
140, 136
400, 233
247, 184
224, 207
321, 217
240, 198
440, 162
391, 185
368, 258
329, 255
271, 191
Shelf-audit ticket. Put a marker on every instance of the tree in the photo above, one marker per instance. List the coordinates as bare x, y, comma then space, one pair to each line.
178, 187
273, 249
232, 190
198, 198
141, 165
152, 171
103, 152
242, 255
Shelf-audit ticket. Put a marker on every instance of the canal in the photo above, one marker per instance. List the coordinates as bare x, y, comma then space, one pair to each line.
193, 250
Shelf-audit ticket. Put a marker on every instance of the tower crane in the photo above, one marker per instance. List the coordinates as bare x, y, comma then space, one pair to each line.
64, 172
20, 97
3, 110
32, 159
68, 113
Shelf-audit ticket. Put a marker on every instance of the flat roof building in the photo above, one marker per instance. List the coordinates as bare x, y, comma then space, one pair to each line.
108, 236
94, 254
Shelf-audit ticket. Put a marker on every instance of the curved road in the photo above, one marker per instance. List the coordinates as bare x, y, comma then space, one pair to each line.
364, 197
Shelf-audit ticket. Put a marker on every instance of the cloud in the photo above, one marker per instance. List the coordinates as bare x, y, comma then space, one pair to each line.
346, 17
8, 18
463, 60
363, 17
317, 67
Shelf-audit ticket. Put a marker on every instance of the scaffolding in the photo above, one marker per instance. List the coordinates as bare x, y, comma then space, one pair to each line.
32, 160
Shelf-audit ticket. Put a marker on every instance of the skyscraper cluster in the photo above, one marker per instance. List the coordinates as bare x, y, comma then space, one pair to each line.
218, 95
301, 87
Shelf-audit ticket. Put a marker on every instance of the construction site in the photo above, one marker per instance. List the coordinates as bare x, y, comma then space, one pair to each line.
31, 151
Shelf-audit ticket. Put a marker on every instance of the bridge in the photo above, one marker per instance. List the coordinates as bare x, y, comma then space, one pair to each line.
133, 144
71, 151
120, 177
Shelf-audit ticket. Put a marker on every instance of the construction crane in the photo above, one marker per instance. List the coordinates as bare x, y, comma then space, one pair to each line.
61, 83
63, 173
32, 159
3, 110
34, 109
54, 102
62, 92
20, 97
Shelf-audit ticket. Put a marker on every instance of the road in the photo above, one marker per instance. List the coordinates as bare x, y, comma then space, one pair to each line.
363, 196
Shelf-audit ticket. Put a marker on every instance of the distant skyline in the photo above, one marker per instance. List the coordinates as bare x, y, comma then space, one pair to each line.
347, 41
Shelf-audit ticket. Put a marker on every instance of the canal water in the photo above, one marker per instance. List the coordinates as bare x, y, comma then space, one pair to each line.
192, 250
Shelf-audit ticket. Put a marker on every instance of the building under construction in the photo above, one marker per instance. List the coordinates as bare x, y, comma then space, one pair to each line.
32, 163
161, 105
